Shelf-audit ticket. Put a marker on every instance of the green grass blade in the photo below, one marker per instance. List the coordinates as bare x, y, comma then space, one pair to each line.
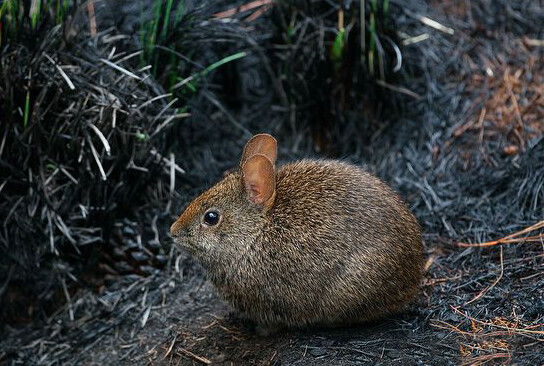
385, 8
27, 110
3, 8
179, 13
61, 10
372, 46
337, 49
152, 36
223, 61
35, 9
363, 29
8, 18
190, 83
166, 18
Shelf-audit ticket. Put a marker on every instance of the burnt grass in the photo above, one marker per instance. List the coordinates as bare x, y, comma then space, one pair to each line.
458, 132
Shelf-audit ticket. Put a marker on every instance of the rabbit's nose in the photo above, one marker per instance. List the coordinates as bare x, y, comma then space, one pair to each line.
176, 228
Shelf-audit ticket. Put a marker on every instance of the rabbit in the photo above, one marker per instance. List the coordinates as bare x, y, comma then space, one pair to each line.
315, 243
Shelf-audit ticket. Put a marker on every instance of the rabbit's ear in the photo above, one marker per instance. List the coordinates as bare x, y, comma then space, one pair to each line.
259, 178
263, 144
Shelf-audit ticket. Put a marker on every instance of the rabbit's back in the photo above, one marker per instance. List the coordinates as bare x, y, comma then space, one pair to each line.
339, 246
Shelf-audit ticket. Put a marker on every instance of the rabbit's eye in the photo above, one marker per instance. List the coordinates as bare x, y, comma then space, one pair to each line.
211, 218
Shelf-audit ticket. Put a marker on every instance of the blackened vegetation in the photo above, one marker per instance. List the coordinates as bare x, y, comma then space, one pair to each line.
77, 160
457, 131
323, 81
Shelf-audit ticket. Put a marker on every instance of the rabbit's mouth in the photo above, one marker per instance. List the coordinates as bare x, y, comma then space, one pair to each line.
193, 243
183, 241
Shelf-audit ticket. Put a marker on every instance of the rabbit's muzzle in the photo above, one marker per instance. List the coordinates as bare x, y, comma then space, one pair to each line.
177, 230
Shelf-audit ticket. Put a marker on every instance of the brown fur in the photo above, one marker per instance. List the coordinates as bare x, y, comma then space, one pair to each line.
337, 246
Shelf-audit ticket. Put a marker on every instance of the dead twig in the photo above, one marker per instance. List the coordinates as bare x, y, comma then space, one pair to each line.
512, 329
512, 238
204, 360
484, 291
246, 7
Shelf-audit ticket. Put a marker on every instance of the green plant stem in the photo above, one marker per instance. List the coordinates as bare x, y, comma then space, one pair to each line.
166, 19
27, 109
221, 62
179, 14
35, 10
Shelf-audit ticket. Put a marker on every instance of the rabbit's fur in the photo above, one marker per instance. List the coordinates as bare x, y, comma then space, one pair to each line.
330, 245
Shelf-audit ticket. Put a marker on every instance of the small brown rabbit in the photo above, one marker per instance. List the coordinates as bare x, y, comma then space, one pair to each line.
316, 243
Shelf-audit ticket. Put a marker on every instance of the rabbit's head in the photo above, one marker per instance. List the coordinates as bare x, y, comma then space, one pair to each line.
223, 221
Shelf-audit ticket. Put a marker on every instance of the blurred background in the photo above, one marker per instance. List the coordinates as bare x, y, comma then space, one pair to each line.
115, 114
